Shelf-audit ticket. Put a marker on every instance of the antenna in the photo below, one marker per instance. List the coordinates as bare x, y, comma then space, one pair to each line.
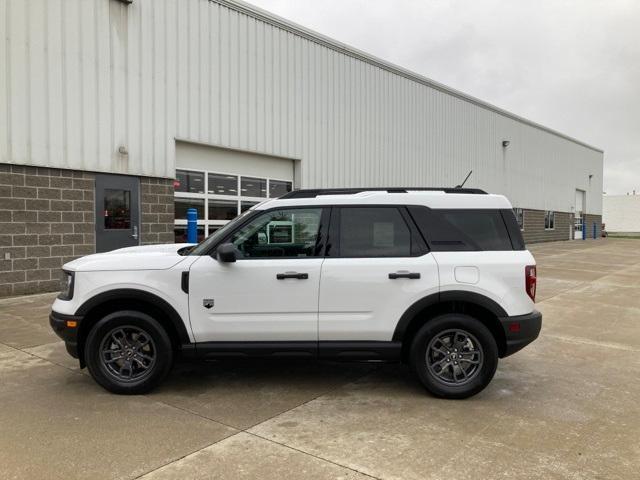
465, 179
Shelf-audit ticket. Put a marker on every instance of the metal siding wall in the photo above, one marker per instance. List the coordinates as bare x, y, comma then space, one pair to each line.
99, 74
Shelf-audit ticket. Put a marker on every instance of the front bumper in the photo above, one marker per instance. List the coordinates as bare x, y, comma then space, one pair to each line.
66, 327
520, 331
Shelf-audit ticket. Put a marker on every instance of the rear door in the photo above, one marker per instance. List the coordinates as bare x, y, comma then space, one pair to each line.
377, 265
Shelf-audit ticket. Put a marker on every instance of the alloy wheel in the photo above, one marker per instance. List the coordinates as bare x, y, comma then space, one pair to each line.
454, 357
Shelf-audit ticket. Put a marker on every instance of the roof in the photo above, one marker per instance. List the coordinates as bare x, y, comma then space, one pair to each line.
315, 192
316, 37
428, 198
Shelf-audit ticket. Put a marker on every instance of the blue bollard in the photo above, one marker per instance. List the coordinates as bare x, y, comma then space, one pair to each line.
585, 225
594, 231
192, 225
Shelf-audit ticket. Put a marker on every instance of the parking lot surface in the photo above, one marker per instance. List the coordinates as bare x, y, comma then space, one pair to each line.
567, 406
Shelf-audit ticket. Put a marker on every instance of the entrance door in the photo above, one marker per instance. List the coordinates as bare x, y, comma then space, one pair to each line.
578, 223
117, 212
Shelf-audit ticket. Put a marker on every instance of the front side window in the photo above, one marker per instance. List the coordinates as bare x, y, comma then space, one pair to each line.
549, 220
287, 233
373, 232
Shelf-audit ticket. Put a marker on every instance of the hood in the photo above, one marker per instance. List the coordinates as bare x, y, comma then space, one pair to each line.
146, 257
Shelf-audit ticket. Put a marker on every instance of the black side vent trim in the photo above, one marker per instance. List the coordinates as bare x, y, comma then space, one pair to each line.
184, 284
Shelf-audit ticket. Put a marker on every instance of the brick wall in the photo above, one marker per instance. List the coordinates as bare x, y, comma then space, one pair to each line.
157, 210
46, 219
535, 232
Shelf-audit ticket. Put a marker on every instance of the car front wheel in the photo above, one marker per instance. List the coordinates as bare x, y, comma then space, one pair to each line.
454, 356
128, 352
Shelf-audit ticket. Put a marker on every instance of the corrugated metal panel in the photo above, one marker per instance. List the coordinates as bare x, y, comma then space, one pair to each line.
621, 213
79, 79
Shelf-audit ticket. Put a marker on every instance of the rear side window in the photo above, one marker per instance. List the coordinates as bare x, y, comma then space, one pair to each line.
463, 230
485, 228
373, 232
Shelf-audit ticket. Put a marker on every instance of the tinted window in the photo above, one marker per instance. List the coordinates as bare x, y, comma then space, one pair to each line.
279, 233
373, 232
463, 230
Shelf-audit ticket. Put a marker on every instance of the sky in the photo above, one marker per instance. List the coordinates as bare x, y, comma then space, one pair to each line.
571, 65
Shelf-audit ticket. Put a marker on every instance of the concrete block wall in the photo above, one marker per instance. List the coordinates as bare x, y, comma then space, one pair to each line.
46, 219
157, 210
534, 231
589, 221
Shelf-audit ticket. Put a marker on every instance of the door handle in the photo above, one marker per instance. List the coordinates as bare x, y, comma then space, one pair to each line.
135, 232
404, 274
299, 276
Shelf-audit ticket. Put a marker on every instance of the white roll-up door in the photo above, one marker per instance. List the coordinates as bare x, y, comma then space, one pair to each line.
220, 184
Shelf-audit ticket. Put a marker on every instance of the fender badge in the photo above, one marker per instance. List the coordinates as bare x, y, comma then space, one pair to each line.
207, 302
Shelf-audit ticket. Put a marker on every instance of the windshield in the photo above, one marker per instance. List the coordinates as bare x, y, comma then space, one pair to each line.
203, 247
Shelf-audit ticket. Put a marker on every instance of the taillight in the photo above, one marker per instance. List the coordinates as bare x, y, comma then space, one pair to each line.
530, 280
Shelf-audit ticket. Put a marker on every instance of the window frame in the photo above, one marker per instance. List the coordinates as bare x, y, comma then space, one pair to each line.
211, 225
321, 240
418, 247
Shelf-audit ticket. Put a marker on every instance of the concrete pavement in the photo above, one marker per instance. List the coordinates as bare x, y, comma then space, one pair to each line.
565, 407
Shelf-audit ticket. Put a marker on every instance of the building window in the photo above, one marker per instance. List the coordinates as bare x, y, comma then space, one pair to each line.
219, 197
223, 184
549, 220
253, 187
519, 213
190, 182
278, 188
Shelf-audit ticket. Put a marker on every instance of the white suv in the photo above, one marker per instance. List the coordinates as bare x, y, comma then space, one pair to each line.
437, 278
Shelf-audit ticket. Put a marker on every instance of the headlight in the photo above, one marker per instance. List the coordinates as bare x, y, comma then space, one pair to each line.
66, 287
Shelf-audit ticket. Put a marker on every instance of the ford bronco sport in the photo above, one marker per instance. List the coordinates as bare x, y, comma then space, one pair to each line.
437, 278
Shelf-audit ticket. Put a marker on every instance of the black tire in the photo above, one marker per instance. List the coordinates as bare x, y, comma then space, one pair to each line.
131, 362
454, 374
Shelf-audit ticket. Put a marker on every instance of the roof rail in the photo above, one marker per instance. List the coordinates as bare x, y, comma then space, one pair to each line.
314, 192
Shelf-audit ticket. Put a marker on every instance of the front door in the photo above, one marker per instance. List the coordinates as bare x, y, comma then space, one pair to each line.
270, 293
578, 223
117, 212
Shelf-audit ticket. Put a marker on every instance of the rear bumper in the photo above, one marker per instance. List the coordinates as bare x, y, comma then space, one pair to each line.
66, 327
520, 331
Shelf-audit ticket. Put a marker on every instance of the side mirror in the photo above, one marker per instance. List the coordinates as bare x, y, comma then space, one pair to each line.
226, 252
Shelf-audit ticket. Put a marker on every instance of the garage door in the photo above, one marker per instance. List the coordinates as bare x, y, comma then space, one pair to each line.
220, 184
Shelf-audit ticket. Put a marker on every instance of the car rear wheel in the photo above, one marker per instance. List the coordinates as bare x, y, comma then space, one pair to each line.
128, 352
454, 356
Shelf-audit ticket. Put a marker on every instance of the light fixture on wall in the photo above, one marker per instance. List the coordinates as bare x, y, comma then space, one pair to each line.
505, 143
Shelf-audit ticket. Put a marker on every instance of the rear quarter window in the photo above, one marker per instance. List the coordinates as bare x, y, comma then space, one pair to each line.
463, 230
